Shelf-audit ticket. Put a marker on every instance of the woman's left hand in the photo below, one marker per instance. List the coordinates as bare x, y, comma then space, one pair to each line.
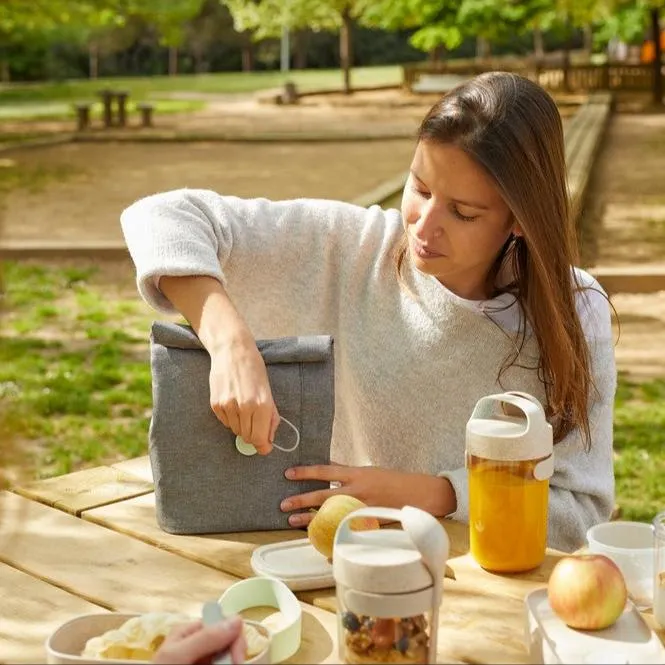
373, 486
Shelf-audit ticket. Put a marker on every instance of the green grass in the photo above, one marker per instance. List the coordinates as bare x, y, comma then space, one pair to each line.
74, 372
225, 82
639, 432
28, 102
30, 111
75, 381
14, 176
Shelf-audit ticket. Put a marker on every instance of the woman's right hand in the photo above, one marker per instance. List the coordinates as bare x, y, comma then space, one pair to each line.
240, 393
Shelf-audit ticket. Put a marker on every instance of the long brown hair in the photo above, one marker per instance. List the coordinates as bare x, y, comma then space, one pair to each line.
512, 127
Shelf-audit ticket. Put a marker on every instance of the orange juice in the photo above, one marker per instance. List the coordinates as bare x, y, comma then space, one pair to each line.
507, 514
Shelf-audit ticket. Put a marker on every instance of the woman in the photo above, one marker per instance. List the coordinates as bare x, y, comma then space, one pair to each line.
468, 292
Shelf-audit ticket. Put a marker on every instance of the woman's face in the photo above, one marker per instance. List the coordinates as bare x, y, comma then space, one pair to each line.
454, 217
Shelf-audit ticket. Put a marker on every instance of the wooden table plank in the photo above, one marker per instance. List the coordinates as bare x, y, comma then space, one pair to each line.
229, 553
100, 565
140, 467
89, 488
137, 466
31, 610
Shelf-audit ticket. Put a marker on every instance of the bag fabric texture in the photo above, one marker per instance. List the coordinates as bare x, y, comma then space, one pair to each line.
202, 483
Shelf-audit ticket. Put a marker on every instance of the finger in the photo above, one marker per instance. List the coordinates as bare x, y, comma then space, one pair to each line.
204, 642
233, 417
183, 630
260, 435
308, 500
245, 419
274, 423
220, 413
326, 472
301, 520
239, 649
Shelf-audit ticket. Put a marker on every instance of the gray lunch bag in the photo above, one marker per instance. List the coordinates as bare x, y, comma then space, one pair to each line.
202, 483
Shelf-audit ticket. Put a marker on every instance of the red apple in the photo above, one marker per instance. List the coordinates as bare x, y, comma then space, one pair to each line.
333, 510
587, 591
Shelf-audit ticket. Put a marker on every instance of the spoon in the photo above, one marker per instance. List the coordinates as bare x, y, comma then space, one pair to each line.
212, 614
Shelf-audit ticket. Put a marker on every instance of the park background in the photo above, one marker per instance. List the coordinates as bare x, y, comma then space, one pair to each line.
285, 98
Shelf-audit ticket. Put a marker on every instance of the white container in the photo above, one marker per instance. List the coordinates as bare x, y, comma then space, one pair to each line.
659, 570
296, 563
264, 592
551, 642
630, 546
65, 645
389, 587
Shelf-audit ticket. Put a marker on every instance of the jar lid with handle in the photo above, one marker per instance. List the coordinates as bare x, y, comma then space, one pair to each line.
391, 578
524, 434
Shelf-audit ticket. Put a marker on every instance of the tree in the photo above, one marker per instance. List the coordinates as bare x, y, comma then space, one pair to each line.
169, 18
630, 20
435, 21
499, 20
445, 23
267, 18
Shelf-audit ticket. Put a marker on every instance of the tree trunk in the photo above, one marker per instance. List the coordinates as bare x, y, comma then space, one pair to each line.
566, 54
482, 48
588, 39
200, 64
93, 61
658, 57
5, 74
538, 44
173, 60
300, 50
346, 48
436, 54
248, 57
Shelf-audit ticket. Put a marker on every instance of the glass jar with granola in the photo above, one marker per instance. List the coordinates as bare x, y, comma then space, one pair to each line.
389, 585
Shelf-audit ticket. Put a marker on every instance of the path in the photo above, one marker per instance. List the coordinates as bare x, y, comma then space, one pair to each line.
627, 227
89, 185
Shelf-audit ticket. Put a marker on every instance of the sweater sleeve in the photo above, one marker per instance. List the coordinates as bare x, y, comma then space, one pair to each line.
582, 485
283, 263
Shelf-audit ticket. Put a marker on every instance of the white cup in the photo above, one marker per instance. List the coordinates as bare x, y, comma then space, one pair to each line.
630, 546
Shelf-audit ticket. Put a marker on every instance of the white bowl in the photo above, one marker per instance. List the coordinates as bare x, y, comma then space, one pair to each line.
65, 644
269, 592
630, 546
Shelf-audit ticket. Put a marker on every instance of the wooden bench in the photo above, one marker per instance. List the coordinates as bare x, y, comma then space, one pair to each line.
146, 110
82, 110
583, 137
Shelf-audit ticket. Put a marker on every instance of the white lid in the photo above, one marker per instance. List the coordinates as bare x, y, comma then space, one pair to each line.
391, 561
296, 563
628, 640
493, 435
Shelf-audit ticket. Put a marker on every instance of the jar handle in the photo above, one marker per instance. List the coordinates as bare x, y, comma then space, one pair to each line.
526, 403
425, 532
346, 535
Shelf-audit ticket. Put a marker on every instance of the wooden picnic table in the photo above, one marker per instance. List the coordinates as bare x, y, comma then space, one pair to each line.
88, 542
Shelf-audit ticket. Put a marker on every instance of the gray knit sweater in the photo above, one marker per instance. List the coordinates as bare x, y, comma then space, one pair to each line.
410, 363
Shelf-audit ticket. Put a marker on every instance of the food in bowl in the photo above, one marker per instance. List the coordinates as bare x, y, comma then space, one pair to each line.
255, 641
138, 638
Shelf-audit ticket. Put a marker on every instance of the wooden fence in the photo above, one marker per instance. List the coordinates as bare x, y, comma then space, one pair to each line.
575, 78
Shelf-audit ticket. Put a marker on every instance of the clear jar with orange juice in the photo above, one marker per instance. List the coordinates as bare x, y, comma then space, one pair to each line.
509, 462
